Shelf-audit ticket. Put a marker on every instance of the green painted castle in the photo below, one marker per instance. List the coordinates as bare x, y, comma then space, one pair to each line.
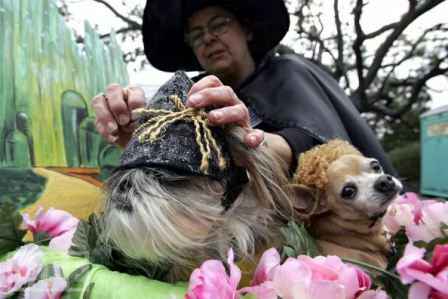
46, 84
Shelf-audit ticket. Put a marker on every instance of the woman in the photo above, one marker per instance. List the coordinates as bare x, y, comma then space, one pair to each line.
286, 101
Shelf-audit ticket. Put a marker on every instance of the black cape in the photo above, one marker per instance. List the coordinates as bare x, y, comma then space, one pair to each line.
289, 91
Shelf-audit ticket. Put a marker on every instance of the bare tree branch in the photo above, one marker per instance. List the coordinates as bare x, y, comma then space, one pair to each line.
127, 20
340, 69
405, 21
381, 30
357, 47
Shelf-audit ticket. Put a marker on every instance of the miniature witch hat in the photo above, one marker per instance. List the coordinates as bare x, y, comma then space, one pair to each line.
175, 142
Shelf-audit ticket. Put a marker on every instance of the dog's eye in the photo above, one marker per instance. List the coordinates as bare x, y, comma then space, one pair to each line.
375, 165
349, 192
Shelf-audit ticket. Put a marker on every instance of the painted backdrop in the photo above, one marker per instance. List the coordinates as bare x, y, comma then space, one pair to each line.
49, 150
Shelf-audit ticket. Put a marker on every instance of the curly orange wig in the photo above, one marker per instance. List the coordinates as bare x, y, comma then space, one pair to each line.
313, 164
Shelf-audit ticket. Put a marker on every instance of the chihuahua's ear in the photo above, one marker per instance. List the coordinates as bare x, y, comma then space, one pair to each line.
309, 202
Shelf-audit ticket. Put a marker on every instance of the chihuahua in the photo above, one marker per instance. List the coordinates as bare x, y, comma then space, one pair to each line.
354, 195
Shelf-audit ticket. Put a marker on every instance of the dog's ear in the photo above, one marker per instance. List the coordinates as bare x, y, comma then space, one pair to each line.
309, 202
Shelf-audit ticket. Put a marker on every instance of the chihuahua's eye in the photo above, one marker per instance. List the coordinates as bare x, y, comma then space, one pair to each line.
375, 165
349, 191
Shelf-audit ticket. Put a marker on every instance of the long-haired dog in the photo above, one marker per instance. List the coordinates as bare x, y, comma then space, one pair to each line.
171, 201
347, 196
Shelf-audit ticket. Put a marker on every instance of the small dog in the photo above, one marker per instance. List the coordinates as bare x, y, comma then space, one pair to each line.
169, 201
350, 194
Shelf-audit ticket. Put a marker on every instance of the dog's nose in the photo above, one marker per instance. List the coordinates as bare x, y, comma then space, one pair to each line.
385, 184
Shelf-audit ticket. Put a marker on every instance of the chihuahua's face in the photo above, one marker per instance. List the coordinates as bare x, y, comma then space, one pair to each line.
358, 187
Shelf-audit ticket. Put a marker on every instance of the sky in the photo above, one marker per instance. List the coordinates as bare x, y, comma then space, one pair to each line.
379, 10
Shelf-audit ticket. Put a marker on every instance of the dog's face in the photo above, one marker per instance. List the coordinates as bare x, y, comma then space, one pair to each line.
358, 187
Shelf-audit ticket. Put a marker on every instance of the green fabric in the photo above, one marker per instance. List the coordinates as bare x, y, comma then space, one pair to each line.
109, 284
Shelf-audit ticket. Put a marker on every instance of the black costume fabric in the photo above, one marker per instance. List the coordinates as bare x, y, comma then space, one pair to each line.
298, 100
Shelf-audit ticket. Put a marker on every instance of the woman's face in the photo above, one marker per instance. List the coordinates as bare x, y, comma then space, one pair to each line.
223, 50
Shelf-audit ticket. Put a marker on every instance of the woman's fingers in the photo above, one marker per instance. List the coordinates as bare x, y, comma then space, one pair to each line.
113, 112
254, 138
213, 97
135, 97
116, 100
206, 82
236, 114
105, 122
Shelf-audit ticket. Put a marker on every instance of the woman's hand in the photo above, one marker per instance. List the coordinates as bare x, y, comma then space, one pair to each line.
227, 107
113, 112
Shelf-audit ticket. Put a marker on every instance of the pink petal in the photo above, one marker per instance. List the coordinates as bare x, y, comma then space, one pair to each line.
51, 288
373, 294
263, 291
211, 280
323, 268
412, 259
55, 222
29, 223
398, 215
434, 282
269, 260
235, 272
63, 242
348, 278
327, 289
21, 269
440, 258
290, 276
419, 291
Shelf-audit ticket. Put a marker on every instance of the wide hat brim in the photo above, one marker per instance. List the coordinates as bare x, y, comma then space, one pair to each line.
164, 20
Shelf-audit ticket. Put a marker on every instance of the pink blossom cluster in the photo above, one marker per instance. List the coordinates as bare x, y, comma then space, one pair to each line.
297, 278
21, 271
58, 224
430, 279
421, 219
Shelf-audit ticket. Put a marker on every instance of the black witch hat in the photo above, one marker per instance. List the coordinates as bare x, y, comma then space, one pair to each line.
175, 142
164, 26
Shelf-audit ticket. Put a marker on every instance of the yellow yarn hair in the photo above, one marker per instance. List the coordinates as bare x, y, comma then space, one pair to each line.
159, 119
313, 164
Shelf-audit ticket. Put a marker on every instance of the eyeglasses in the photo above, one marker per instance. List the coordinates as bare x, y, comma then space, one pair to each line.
216, 26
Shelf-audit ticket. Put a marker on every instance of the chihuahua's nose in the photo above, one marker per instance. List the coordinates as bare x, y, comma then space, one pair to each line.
385, 184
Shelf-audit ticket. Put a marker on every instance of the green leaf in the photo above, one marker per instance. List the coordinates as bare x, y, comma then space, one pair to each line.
393, 287
78, 274
50, 270
41, 238
11, 235
298, 241
80, 241
399, 242
88, 292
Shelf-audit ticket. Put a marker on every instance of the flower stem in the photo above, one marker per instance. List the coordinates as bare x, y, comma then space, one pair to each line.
371, 267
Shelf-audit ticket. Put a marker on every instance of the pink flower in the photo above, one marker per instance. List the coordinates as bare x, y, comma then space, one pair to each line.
211, 280
432, 278
373, 294
51, 288
269, 260
307, 278
332, 269
58, 224
21, 269
403, 211
430, 225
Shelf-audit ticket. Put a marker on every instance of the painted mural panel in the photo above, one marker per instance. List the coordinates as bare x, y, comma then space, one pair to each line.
50, 153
